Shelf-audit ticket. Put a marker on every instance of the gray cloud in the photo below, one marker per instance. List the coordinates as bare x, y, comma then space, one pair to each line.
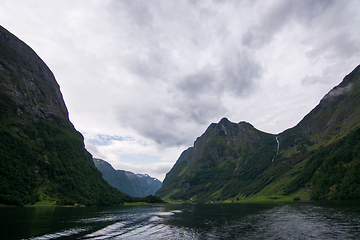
198, 84
199, 112
340, 45
162, 71
338, 91
137, 12
280, 14
240, 74
169, 43
275, 18
171, 122
156, 123
329, 32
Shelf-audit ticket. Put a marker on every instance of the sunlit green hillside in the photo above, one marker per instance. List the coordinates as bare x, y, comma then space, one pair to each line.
316, 159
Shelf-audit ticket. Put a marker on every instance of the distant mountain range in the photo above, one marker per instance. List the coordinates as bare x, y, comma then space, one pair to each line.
317, 159
135, 185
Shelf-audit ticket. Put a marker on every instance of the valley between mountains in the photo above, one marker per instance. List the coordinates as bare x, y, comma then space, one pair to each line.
43, 158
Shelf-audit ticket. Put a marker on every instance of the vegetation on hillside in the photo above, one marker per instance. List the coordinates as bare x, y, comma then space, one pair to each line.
336, 170
40, 159
223, 166
42, 156
318, 159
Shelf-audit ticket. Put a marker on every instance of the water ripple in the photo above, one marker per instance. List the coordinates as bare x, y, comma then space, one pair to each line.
216, 221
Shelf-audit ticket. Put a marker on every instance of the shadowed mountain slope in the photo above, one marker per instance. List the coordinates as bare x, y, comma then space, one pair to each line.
135, 185
42, 156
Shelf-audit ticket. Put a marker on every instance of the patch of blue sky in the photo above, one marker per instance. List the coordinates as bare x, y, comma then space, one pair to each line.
103, 140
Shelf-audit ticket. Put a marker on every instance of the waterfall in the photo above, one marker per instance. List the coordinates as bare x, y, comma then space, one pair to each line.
277, 149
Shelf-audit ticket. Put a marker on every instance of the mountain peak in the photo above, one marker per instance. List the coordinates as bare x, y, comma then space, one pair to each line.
231, 161
224, 120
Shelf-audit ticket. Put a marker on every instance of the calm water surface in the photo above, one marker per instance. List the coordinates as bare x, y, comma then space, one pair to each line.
326, 220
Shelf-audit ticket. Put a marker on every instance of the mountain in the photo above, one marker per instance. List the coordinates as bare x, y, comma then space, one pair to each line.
42, 156
319, 158
135, 185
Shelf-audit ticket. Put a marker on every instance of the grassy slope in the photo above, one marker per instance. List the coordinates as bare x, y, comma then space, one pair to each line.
318, 159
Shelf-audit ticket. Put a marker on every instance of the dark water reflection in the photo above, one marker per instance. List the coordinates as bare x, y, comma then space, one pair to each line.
319, 220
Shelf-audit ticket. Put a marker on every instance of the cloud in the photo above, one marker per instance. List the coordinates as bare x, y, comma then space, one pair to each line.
94, 151
240, 74
139, 12
279, 14
198, 84
193, 99
164, 125
338, 91
338, 45
321, 78
271, 22
142, 79
132, 154
329, 33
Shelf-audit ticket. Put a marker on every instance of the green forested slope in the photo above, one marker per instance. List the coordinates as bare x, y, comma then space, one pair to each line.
316, 159
224, 161
44, 159
334, 171
42, 156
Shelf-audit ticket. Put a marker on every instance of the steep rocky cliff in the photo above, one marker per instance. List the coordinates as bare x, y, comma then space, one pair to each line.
42, 156
27, 84
318, 158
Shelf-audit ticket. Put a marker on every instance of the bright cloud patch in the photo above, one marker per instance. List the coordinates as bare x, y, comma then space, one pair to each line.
128, 153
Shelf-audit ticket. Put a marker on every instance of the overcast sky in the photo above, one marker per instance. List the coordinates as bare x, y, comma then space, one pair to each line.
143, 79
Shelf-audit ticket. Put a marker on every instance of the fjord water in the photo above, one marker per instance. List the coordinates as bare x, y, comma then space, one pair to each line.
311, 220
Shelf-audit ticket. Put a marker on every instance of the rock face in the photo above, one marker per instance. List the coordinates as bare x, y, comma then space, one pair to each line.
42, 156
28, 82
135, 185
237, 162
